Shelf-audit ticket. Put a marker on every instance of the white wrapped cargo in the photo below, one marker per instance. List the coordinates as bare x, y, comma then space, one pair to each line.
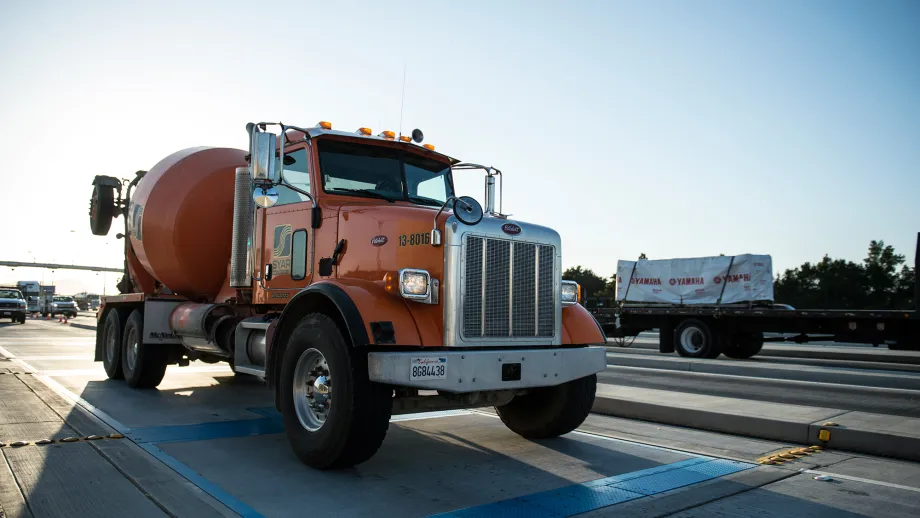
700, 280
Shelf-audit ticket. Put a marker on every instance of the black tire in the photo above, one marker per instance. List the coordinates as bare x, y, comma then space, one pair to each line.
101, 209
741, 346
149, 360
550, 411
359, 415
694, 339
111, 343
22, 320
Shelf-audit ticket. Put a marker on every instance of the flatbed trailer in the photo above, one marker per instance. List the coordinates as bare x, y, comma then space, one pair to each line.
737, 330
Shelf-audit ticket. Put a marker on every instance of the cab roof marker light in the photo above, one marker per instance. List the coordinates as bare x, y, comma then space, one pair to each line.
429, 147
326, 125
405, 138
365, 131
387, 134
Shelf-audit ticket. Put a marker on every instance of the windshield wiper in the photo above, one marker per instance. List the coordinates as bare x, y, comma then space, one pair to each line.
426, 201
364, 192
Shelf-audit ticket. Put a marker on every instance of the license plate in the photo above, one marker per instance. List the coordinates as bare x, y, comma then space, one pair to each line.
6, 313
428, 368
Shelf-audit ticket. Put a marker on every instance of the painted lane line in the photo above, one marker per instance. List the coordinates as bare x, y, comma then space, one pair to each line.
271, 423
236, 505
184, 471
597, 494
858, 479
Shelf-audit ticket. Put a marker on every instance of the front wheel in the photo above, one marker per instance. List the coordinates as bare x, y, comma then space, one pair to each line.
334, 416
550, 411
144, 365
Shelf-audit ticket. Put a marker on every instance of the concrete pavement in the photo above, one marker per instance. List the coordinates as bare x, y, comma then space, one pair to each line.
454, 464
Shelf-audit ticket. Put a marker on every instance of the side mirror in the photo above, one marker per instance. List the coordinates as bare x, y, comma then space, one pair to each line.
263, 158
265, 197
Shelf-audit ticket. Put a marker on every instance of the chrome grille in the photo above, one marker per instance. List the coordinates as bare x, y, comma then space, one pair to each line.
508, 289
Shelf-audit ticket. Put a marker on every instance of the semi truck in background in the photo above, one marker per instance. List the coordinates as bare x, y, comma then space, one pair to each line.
31, 290
342, 269
708, 306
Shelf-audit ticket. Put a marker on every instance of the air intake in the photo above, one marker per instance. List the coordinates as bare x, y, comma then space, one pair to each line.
240, 269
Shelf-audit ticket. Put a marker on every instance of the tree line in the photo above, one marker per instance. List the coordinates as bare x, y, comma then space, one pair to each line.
881, 281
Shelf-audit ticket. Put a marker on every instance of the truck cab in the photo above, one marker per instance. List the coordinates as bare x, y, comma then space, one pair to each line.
359, 285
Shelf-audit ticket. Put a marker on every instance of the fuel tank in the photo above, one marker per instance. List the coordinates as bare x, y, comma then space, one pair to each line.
180, 219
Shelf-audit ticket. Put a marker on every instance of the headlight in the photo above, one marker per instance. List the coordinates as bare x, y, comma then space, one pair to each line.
413, 284
22, 304
570, 293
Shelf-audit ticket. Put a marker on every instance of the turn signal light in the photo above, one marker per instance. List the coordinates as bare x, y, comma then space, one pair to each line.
388, 134
365, 131
325, 125
391, 282
405, 138
429, 147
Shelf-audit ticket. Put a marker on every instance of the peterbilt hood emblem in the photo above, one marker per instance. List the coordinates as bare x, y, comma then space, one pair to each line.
511, 229
379, 240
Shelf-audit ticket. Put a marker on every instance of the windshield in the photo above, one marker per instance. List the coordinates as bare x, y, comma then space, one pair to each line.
379, 172
63, 299
10, 294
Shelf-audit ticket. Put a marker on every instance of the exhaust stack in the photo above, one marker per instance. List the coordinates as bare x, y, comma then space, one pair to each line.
240, 267
490, 194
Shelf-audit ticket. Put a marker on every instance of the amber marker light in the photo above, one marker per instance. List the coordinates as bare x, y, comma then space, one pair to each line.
429, 147
325, 125
365, 131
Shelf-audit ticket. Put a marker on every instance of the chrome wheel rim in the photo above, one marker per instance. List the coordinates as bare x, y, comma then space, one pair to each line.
131, 357
691, 340
312, 390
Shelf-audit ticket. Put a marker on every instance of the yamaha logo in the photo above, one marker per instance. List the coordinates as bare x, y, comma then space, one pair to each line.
511, 229
379, 240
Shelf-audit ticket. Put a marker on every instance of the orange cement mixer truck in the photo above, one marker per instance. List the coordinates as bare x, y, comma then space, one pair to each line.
342, 269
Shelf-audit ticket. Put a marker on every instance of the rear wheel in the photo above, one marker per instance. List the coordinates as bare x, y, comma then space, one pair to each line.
111, 344
741, 346
334, 416
550, 411
694, 339
144, 365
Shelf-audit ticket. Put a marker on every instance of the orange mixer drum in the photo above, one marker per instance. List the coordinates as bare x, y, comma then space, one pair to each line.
181, 219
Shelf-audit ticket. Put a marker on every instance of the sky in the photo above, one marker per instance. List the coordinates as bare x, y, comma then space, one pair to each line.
670, 128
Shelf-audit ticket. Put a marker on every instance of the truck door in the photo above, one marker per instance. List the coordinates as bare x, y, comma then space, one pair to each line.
287, 259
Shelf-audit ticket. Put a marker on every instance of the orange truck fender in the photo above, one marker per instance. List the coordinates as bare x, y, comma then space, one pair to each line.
367, 314
579, 327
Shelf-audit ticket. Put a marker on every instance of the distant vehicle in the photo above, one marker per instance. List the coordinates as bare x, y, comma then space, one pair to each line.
59, 305
87, 301
724, 305
13, 305
31, 291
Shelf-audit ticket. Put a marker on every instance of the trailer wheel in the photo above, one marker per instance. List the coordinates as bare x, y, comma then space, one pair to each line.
334, 416
742, 346
550, 411
144, 365
694, 339
111, 344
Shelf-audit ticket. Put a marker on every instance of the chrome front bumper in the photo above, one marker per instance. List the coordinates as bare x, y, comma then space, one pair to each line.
501, 369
